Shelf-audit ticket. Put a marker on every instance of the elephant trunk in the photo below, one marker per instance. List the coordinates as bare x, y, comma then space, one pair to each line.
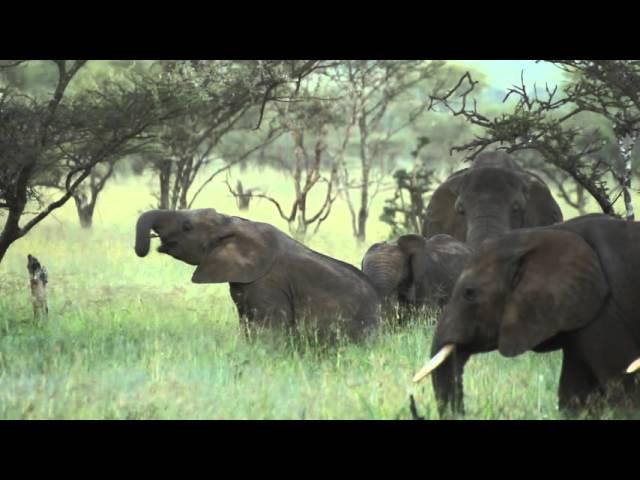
482, 227
447, 382
146, 222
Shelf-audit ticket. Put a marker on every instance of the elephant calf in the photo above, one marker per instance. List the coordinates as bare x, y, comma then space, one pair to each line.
274, 280
413, 271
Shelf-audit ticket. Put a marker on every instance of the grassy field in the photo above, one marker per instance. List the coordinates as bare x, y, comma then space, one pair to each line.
132, 338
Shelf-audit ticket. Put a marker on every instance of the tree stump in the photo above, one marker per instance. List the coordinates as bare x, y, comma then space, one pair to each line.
38, 279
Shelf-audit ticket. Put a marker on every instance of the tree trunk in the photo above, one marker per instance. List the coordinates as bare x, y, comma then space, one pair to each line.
183, 204
165, 177
626, 149
300, 232
363, 212
85, 215
581, 200
185, 182
85, 208
417, 207
11, 230
4, 246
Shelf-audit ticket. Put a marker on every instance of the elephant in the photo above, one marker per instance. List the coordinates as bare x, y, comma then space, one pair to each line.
491, 197
571, 286
413, 271
275, 281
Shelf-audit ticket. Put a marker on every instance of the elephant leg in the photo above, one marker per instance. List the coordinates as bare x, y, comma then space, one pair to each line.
262, 310
608, 346
577, 382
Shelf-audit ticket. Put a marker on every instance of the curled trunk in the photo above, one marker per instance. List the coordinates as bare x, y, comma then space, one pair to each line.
143, 228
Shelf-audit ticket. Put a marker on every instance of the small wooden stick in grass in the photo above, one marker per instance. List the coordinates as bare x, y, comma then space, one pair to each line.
38, 279
413, 409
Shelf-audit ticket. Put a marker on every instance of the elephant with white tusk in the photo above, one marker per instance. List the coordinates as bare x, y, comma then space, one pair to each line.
571, 287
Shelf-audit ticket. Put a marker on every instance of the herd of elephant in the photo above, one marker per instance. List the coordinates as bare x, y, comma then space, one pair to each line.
494, 253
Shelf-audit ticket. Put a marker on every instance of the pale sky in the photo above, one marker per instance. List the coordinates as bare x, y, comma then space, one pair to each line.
503, 74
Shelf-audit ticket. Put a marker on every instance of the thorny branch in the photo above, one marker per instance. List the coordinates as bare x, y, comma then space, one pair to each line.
539, 121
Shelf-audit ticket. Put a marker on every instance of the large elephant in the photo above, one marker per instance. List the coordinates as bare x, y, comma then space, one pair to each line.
492, 197
570, 286
274, 280
413, 271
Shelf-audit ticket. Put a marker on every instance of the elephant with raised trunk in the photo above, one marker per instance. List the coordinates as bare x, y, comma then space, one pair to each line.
491, 197
570, 287
274, 280
412, 271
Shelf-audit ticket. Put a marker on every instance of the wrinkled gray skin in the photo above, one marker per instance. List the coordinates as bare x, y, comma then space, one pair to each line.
571, 287
492, 197
412, 271
274, 280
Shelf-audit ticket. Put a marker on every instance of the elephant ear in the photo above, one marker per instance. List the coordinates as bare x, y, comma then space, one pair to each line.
414, 246
542, 209
441, 215
557, 285
421, 262
242, 253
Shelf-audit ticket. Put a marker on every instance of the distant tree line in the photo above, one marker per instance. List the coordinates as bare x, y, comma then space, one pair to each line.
340, 130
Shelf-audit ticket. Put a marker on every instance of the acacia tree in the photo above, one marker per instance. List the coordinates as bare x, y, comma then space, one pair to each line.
66, 137
227, 95
408, 199
306, 159
86, 195
611, 88
36, 78
546, 122
431, 163
370, 91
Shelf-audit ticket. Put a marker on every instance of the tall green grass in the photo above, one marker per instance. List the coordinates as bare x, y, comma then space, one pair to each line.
132, 338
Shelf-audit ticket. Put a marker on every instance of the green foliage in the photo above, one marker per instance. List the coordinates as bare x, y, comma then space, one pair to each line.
405, 211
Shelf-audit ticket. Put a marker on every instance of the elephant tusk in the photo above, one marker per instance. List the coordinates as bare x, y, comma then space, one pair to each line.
435, 362
634, 366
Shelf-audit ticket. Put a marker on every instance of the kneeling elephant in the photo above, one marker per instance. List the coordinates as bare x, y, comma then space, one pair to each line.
274, 280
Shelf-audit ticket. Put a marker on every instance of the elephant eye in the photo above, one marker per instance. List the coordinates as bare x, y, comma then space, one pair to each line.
516, 207
469, 294
460, 208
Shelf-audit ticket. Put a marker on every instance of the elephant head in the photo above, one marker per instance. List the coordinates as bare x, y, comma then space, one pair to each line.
492, 197
413, 270
388, 267
522, 291
225, 249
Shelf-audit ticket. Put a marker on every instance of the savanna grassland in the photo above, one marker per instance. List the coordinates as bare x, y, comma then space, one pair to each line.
131, 338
